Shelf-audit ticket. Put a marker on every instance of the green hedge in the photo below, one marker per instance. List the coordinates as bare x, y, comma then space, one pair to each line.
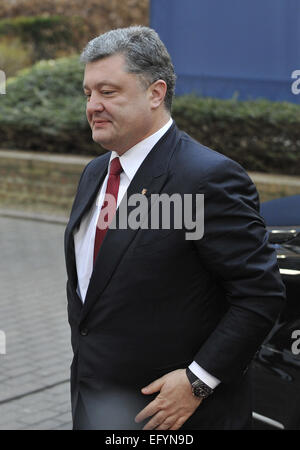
44, 110
260, 134
46, 34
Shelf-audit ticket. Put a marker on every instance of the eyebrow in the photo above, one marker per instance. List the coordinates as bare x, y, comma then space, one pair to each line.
102, 83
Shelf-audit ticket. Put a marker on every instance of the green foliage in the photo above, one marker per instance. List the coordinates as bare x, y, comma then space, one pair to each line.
14, 55
46, 34
260, 134
44, 110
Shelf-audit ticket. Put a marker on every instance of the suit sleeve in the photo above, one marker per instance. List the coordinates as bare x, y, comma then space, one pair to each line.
236, 250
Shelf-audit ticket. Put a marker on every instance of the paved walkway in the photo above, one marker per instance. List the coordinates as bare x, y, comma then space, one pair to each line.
34, 371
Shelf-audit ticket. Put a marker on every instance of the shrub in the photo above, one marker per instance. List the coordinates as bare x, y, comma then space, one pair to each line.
44, 110
97, 16
46, 34
259, 134
14, 55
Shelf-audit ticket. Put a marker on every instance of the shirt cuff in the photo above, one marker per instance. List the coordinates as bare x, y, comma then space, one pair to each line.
204, 376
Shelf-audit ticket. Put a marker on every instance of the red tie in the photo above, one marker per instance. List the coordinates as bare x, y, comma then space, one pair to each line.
109, 206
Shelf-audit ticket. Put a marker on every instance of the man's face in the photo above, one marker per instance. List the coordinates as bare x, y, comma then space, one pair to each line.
119, 108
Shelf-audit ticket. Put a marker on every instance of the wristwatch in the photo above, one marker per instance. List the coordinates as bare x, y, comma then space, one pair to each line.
199, 388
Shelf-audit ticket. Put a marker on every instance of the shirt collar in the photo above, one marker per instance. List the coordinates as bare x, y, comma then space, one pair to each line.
133, 158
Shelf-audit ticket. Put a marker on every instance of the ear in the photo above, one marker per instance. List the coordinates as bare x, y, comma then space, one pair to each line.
157, 91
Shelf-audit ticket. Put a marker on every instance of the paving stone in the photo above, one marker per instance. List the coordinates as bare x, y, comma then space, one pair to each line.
34, 318
38, 417
66, 417
46, 425
65, 426
63, 408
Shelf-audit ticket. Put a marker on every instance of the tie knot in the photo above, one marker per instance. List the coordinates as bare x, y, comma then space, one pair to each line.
115, 167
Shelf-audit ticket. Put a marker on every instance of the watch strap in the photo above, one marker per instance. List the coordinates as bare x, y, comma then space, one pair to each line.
199, 388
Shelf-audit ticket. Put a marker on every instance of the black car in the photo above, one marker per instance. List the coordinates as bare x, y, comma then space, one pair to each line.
276, 366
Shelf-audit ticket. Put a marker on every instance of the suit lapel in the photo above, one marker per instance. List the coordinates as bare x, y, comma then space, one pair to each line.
151, 175
89, 189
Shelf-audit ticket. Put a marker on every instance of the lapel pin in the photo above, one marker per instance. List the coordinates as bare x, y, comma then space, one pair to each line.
144, 191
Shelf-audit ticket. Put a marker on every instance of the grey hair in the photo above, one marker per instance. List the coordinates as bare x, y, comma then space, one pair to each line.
144, 52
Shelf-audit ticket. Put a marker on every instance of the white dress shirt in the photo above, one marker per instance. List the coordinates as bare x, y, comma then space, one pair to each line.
84, 236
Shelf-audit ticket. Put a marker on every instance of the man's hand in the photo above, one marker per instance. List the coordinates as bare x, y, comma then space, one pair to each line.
174, 404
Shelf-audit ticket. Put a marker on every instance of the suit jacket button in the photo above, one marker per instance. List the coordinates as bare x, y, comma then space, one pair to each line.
84, 332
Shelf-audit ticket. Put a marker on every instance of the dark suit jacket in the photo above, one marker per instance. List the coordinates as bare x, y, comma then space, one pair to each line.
157, 301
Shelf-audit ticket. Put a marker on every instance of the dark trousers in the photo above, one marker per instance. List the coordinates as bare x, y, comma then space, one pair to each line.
81, 420
109, 410
205, 418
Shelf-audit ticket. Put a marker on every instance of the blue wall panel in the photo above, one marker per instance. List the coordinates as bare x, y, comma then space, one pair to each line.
223, 47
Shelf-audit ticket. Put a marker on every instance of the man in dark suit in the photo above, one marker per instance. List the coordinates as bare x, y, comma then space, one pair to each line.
163, 326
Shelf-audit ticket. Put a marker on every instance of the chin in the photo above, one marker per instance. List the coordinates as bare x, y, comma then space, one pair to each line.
100, 139
106, 145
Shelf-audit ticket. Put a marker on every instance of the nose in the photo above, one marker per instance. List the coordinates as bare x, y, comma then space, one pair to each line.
94, 105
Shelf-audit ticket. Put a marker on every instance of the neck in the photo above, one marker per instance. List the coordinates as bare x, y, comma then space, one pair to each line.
161, 121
